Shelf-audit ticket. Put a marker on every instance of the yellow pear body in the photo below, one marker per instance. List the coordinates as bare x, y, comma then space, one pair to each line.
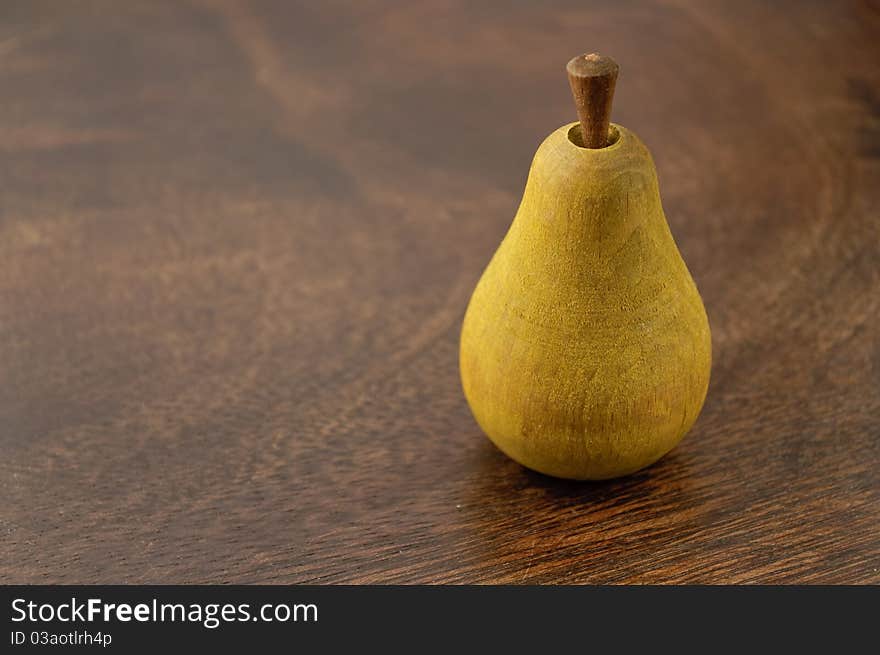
585, 349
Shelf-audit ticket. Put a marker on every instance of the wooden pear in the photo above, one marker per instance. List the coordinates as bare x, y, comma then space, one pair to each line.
585, 349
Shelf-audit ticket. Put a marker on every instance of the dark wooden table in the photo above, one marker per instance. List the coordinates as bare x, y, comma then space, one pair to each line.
236, 246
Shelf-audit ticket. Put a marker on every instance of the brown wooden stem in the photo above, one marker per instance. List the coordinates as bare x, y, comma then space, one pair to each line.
592, 78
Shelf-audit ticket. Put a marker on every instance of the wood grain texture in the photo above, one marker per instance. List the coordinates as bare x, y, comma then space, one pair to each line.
231, 290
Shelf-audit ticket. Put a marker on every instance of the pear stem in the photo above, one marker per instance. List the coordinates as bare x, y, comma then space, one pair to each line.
592, 78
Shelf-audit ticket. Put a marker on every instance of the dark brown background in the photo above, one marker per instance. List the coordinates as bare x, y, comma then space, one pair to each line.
236, 246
